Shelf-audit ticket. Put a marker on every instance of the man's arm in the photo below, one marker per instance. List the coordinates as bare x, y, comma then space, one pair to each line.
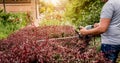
103, 26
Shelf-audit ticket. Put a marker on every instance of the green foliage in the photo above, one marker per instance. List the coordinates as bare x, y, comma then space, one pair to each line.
10, 22
45, 7
83, 12
53, 15
53, 22
79, 12
54, 18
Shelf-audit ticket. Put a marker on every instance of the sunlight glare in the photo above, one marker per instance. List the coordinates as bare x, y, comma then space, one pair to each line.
54, 2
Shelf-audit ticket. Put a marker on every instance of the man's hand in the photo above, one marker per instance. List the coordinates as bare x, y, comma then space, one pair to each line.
83, 31
96, 25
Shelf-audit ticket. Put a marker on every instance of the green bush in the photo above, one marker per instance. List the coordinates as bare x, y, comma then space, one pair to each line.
10, 22
83, 12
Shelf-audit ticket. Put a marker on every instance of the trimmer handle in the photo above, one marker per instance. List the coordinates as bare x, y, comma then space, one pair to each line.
87, 27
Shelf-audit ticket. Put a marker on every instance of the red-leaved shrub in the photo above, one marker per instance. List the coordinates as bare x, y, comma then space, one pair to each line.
24, 47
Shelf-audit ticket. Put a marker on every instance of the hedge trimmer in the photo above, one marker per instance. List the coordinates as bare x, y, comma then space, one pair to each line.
87, 37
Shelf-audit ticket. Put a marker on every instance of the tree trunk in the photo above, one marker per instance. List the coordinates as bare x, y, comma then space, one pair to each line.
4, 6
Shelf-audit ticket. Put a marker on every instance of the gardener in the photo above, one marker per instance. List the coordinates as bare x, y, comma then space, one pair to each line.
109, 28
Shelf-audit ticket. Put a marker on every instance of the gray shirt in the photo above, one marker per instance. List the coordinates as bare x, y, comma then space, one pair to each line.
111, 10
